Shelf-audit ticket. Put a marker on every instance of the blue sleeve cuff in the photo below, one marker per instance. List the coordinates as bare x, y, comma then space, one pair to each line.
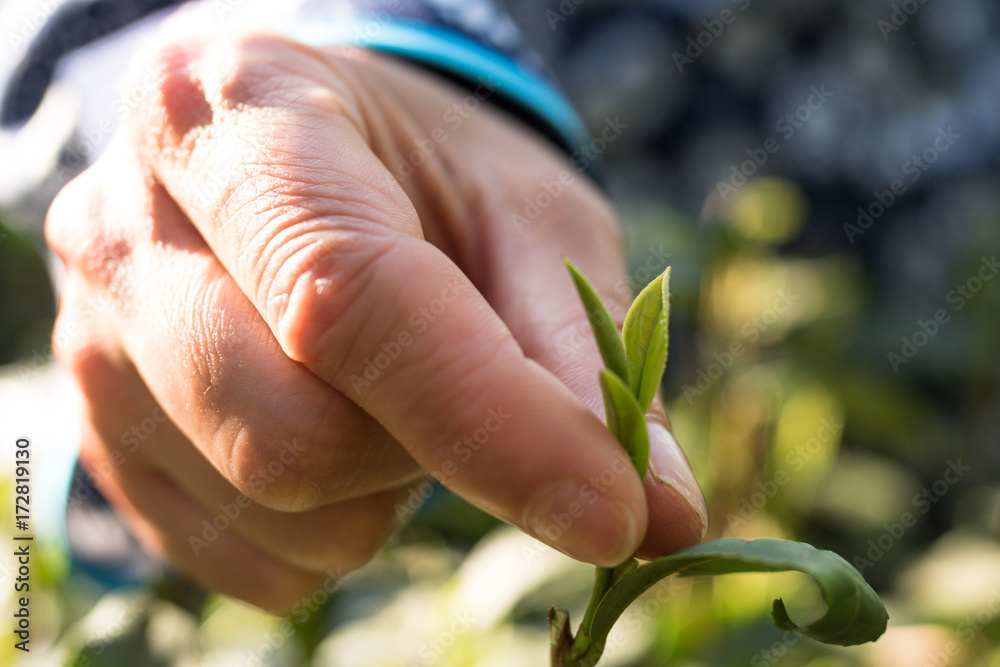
464, 58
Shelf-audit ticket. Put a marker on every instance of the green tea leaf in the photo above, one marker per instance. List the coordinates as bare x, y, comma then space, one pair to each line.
626, 420
646, 339
608, 340
854, 614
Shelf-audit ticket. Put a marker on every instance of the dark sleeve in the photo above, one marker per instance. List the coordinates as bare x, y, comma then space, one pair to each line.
47, 37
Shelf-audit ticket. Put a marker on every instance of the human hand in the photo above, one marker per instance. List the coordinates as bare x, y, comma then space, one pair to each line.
319, 334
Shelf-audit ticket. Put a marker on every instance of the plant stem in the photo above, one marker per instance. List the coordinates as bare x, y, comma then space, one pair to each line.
588, 659
603, 577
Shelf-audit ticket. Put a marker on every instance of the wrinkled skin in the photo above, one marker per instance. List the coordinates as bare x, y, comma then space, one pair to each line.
248, 247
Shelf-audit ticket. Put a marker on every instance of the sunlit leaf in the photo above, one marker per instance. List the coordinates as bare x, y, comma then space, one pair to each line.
646, 339
854, 614
626, 420
608, 340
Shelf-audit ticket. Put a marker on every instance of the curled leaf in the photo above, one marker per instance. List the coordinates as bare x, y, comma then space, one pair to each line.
609, 342
626, 420
646, 339
854, 614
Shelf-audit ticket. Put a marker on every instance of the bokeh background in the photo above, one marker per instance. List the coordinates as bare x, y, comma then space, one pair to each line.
833, 377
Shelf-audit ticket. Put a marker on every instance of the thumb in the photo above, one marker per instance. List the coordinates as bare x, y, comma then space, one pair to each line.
533, 293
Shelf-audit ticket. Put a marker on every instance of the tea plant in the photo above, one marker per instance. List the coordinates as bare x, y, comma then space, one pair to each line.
634, 364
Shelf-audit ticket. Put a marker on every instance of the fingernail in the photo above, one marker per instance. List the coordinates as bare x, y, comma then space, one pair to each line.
669, 465
580, 521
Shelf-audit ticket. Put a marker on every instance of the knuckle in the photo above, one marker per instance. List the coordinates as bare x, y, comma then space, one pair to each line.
58, 225
106, 259
321, 291
360, 553
284, 595
594, 212
261, 65
272, 70
82, 358
277, 476
332, 456
77, 206
194, 77
368, 528
297, 475
86, 234
75, 345
173, 99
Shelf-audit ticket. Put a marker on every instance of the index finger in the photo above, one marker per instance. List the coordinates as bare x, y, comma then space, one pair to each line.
327, 246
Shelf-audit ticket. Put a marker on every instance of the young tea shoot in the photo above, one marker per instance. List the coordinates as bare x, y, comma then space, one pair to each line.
634, 363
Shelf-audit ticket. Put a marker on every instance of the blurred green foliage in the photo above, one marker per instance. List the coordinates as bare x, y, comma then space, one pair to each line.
27, 304
779, 388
